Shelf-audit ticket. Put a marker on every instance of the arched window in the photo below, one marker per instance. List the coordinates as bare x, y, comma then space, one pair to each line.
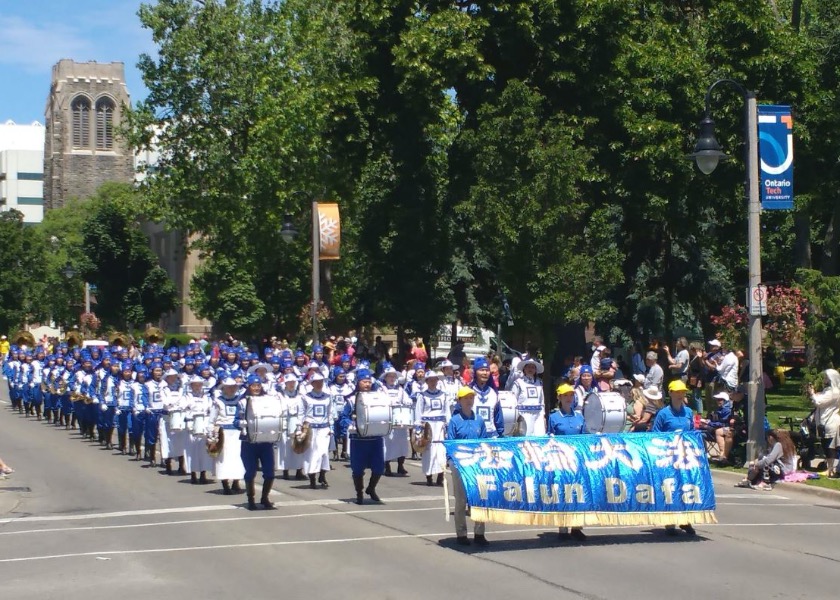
80, 107
104, 124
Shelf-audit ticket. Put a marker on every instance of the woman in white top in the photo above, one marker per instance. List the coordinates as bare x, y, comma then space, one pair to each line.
316, 406
529, 397
229, 468
827, 403
173, 435
291, 401
397, 444
198, 403
431, 408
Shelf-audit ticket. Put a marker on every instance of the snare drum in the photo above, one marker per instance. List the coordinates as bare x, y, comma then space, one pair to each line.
198, 425
605, 412
177, 420
510, 412
373, 414
402, 416
293, 423
263, 415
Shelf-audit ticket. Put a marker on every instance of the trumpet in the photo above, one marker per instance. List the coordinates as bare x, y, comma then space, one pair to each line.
76, 397
62, 387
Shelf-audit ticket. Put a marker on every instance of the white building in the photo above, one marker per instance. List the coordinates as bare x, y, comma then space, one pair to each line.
22, 169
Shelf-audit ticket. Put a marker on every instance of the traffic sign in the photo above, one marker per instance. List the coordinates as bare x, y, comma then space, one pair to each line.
757, 300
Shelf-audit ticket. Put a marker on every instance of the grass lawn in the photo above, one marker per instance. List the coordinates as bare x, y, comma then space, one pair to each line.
789, 401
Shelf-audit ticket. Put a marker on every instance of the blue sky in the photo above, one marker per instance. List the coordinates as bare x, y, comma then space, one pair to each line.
37, 33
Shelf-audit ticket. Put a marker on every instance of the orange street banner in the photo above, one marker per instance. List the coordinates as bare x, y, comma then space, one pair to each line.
329, 224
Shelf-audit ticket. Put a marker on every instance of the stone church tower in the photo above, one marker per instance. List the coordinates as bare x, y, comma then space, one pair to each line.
81, 150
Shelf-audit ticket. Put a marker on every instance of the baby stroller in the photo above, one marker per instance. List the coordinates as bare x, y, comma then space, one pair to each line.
805, 436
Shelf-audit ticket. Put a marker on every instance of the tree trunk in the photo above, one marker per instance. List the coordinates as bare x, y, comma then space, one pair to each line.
802, 240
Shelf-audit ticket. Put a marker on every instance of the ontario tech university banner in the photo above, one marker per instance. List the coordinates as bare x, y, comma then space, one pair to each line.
574, 481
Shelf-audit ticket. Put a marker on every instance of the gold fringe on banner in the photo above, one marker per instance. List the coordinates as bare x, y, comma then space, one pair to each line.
588, 519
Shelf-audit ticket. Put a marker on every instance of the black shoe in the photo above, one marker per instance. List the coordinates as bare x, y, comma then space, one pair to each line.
286, 474
235, 487
251, 504
402, 472
203, 479
578, 535
688, 529
463, 541
439, 481
429, 481
480, 540
299, 476
226, 487
388, 472
193, 478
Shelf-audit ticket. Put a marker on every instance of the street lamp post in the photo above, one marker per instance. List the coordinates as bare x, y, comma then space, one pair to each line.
707, 154
288, 232
69, 272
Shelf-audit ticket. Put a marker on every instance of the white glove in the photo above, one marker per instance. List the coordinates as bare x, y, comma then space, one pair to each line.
148, 410
118, 412
103, 407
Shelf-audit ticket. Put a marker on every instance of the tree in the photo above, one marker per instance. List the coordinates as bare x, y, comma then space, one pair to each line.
131, 286
16, 259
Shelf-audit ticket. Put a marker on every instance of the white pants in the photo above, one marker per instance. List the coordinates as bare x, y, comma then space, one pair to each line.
229, 462
317, 457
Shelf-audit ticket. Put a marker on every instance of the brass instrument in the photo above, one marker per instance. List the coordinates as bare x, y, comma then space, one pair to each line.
44, 388
74, 339
62, 386
419, 443
24, 338
302, 439
120, 339
215, 442
154, 335
76, 397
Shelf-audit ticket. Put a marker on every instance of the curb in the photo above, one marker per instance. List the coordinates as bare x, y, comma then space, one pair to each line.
788, 487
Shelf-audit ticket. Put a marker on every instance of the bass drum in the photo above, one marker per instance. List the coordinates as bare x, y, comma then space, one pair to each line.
510, 411
373, 414
604, 412
263, 415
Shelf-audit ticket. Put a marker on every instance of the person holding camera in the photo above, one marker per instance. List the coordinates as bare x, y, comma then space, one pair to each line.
827, 403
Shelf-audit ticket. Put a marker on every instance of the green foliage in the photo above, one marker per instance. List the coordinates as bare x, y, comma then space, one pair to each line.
131, 286
15, 262
823, 294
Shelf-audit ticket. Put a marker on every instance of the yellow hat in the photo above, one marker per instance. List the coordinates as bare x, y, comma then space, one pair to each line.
465, 391
677, 386
564, 388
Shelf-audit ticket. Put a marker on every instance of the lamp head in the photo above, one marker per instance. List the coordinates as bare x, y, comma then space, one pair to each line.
707, 152
288, 231
68, 271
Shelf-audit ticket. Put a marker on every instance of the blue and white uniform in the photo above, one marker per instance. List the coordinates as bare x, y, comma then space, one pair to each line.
432, 408
223, 413
317, 410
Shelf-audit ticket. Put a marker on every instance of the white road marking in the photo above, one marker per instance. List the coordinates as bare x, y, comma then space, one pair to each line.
263, 516
195, 509
760, 504
350, 540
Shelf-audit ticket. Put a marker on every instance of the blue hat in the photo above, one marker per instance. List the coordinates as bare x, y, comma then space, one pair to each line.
127, 366
252, 379
189, 361
363, 374
345, 358
317, 348
419, 366
481, 363
299, 353
275, 360
586, 369
156, 365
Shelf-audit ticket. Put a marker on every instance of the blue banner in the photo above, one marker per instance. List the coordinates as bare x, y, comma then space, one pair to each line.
775, 150
572, 481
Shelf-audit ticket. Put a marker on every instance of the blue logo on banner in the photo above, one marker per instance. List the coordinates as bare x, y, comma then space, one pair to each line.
775, 149
615, 479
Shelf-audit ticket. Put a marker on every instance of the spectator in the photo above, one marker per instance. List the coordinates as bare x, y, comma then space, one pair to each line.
638, 361
827, 403
724, 362
655, 375
780, 459
678, 365
718, 427
456, 355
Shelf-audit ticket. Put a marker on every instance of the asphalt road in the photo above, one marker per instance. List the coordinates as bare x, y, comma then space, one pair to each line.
77, 521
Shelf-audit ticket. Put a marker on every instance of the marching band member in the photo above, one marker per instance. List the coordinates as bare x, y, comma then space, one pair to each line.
47, 377
316, 406
365, 452
252, 452
487, 399
103, 375
138, 412
397, 443
87, 388
173, 442
565, 420
125, 392
229, 468
292, 402
449, 383
584, 386
12, 367
154, 406
431, 408
197, 403
318, 358
61, 377
676, 416
529, 396
108, 407
465, 424
341, 392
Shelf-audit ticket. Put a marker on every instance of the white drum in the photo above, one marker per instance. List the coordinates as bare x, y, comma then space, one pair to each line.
604, 412
177, 420
373, 414
402, 416
510, 412
198, 425
263, 415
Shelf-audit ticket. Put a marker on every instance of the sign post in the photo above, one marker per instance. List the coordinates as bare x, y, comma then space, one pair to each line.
757, 301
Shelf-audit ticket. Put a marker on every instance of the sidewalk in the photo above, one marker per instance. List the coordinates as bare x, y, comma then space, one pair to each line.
730, 478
